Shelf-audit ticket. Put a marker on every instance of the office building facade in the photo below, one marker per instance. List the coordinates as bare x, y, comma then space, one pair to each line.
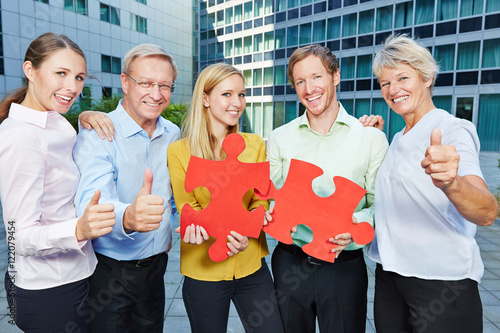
259, 36
105, 30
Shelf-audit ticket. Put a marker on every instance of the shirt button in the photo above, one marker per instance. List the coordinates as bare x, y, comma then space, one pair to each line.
320, 161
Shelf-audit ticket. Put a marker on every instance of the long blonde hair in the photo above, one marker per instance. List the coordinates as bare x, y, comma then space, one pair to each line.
196, 128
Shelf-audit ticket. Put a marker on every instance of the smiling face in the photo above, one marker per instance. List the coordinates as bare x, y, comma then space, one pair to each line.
56, 83
145, 105
225, 103
405, 92
315, 87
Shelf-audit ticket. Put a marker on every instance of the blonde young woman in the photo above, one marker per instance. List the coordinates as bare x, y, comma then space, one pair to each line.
217, 104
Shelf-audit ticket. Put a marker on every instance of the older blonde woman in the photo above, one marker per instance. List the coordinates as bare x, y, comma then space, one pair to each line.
429, 197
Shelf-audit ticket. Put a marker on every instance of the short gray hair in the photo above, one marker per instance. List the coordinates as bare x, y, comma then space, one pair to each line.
147, 50
401, 49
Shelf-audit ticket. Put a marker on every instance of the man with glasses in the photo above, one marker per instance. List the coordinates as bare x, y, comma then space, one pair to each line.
127, 289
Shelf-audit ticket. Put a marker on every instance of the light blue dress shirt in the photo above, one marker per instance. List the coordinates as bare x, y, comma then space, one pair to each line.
116, 168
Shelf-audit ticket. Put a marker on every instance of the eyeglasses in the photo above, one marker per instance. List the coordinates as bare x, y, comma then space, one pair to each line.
150, 85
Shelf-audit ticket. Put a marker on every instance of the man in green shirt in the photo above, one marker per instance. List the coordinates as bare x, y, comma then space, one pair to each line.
325, 135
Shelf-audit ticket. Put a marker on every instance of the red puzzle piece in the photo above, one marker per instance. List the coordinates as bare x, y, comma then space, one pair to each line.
227, 181
296, 203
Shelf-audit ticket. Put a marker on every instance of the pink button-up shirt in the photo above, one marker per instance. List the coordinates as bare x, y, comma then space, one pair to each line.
38, 182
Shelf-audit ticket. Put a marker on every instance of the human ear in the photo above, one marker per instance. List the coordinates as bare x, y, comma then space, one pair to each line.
29, 70
205, 101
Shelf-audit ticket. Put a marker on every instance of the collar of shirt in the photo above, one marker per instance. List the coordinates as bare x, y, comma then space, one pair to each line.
38, 118
130, 127
342, 119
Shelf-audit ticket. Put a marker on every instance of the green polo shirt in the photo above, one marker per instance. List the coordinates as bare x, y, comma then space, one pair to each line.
349, 150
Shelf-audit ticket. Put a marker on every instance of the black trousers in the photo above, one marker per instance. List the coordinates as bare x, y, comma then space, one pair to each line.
409, 304
307, 289
53, 310
207, 303
127, 296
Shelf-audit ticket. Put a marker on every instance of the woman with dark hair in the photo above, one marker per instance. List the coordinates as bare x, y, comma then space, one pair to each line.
50, 252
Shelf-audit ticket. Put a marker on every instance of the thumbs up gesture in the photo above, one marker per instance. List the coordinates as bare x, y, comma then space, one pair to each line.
97, 220
441, 161
146, 212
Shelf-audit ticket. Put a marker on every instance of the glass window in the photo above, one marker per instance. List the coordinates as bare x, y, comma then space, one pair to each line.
488, 120
280, 5
333, 28
228, 52
220, 18
257, 118
105, 64
247, 44
468, 55
362, 107
138, 23
258, 8
365, 22
349, 25
211, 51
279, 114
305, 2
116, 65
268, 40
229, 15
442, 102
491, 53
247, 10
319, 28
104, 13
380, 108
384, 18
268, 76
293, 3
404, 14
348, 105
292, 37
203, 52
267, 124
211, 21
492, 6
279, 75
471, 7
268, 7
364, 66
237, 46
279, 38
237, 14
348, 68
445, 56
77, 6
257, 77
203, 22
447, 9
305, 33
396, 124
247, 75
424, 11
291, 111
257, 43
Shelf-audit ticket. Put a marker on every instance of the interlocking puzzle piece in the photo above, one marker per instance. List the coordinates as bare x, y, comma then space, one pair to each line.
228, 181
296, 203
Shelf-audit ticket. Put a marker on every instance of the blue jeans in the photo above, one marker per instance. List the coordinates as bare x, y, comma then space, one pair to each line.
207, 303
